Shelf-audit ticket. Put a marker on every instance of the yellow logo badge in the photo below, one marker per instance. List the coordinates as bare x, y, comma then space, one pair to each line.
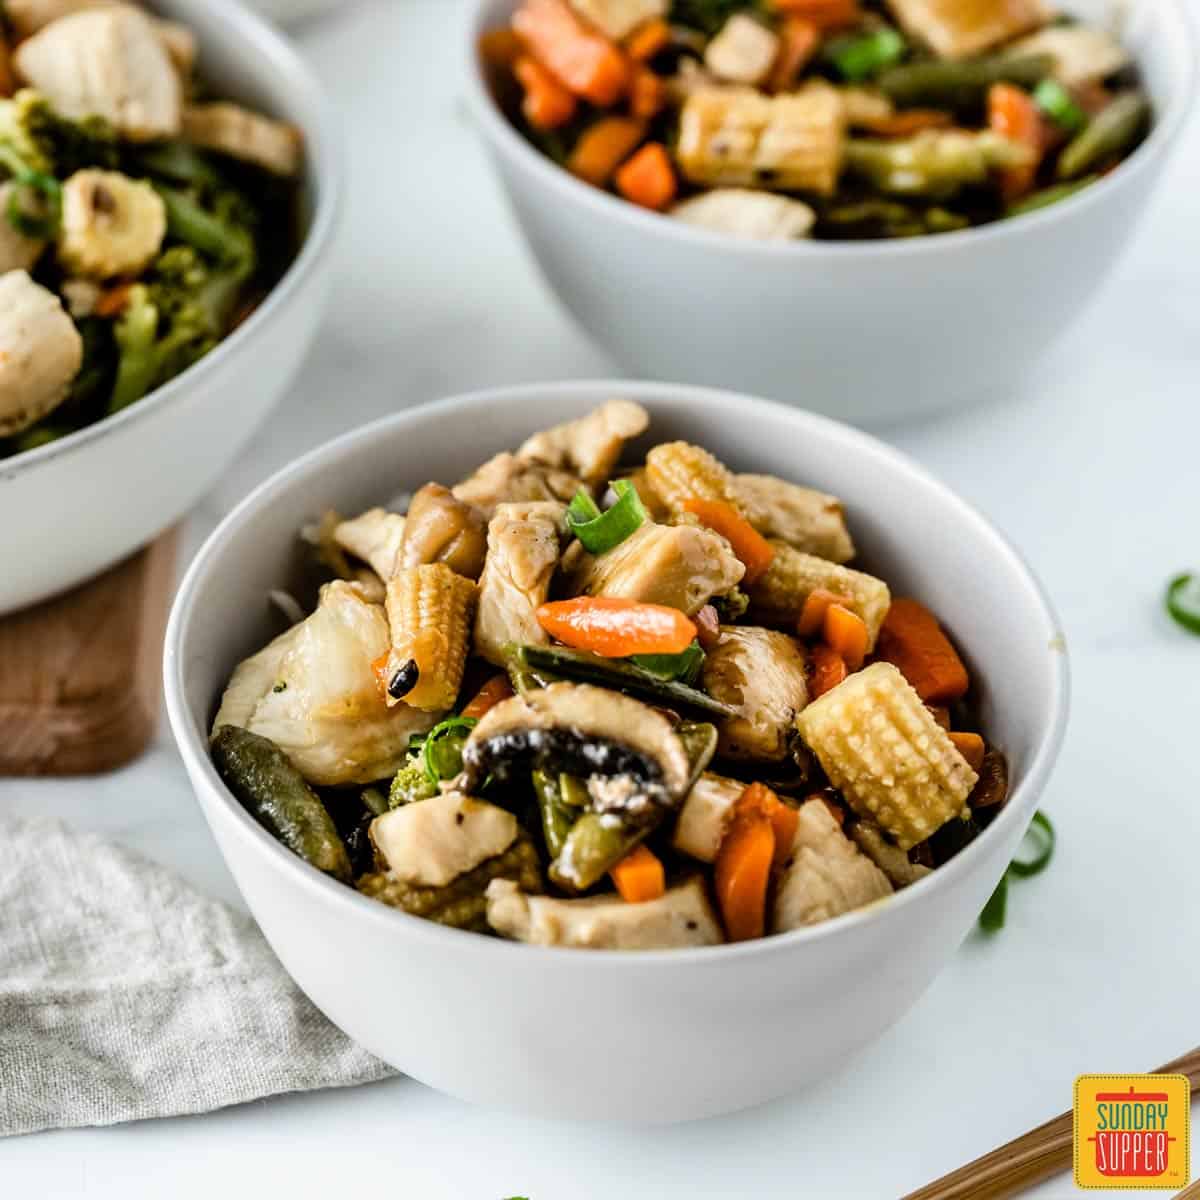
1131, 1131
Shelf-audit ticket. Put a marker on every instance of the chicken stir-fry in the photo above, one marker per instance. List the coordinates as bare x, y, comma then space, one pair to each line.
138, 225
834, 119
550, 716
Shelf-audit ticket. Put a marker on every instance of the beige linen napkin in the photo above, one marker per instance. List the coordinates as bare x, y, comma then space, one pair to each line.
125, 994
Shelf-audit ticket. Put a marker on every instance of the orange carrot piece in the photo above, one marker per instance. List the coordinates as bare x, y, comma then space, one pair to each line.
742, 873
799, 40
647, 40
546, 103
912, 641
971, 747
940, 714
639, 876
812, 614
908, 122
828, 670
496, 689
846, 632
758, 799
112, 301
603, 147
581, 57
648, 179
824, 14
500, 48
647, 93
616, 628
748, 544
1012, 113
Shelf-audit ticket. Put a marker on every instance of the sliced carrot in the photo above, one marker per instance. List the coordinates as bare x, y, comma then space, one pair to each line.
648, 179
748, 544
742, 873
824, 14
912, 641
799, 40
908, 122
500, 48
379, 667
846, 632
581, 57
603, 147
708, 627
112, 301
940, 714
546, 103
647, 93
812, 614
496, 689
648, 39
639, 876
1012, 113
615, 627
971, 747
828, 670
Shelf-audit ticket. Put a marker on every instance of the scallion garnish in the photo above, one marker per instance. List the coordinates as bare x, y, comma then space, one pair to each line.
35, 205
441, 751
600, 531
1183, 601
860, 56
1041, 832
994, 911
1059, 105
684, 667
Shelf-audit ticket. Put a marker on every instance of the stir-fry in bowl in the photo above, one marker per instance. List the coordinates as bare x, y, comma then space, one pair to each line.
583, 699
783, 119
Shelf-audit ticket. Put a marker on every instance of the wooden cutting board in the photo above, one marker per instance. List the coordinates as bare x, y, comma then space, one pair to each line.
80, 674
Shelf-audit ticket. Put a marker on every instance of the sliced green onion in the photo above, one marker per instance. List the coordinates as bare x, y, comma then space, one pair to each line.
1183, 601
35, 205
992, 918
610, 528
1041, 832
684, 666
859, 56
441, 751
1059, 105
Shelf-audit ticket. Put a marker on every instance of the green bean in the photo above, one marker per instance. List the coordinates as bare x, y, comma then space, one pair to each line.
699, 740
1111, 133
596, 843
557, 817
1050, 195
270, 788
574, 791
961, 86
936, 162
375, 801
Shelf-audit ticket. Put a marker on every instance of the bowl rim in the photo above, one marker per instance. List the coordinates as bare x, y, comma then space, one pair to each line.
203, 776
503, 135
325, 158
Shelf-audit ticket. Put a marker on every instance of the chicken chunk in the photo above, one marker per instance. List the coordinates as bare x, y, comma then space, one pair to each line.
523, 548
961, 28
107, 62
1082, 53
681, 917
590, 446
433, 841
811, 521
888, 857
111, 224
761, 673
17, 252
40, 352
742, 212
706, 815
743, 51
230, 129
507, 479
826, 875
313, 693
375, 537
681, 566
617, 19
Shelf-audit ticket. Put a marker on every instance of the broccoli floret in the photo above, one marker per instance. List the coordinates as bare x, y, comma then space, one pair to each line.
34, 139
411, 783
219, 230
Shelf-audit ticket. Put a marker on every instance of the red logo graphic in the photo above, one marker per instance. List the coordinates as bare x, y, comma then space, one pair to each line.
1131, 1138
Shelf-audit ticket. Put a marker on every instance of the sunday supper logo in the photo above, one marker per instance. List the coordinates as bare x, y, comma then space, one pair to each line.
1132, 1131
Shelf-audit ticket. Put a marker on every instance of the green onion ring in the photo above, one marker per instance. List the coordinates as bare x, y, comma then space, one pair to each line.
992, 918
1024, 868
1183, 601
44, 225
610, 528
440, 731
1059, 105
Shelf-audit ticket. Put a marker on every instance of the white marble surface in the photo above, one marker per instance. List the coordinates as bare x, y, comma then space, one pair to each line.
1092, 472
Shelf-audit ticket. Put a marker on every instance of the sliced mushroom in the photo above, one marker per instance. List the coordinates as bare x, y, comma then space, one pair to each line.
761, 674
888, 857
442, 528
111, 224
507, 479
17, 252
107, 62
682, 916
375, 537
230, 129
803, 517
40, 352
591, 445
629, 753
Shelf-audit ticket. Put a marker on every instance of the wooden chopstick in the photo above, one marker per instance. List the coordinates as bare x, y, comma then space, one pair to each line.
1191, 1192
1034, 1156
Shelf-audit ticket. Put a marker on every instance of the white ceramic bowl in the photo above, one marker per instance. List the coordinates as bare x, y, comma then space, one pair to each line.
657, 1036
867, 331
77, 505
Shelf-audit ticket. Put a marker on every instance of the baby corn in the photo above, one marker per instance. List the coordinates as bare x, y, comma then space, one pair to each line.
883, 749
679, 471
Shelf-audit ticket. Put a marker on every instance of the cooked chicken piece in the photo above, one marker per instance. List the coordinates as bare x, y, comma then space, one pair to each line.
865, 106
40, 352
681, 566
743, 51
107, 62
374, 537
313, 693
826, 875
961, 28
652, 502
745, 213
889, 858
111, 224
681, 917
706, 815
807, 519
230, 129
17, 252
80, 296
524, 544
591, 445
180, 44
441, 528
433, 841
507, 479
617, 19
1081, 53
761, 673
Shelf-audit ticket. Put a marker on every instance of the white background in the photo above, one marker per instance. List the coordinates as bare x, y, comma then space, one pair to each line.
1092, 472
